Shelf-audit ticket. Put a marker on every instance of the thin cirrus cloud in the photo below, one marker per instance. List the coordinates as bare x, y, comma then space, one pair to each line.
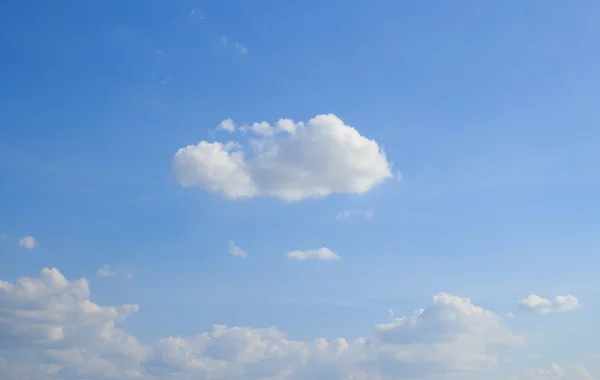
86, 340
539, 305
28, 242
367, 214
235, 250
285, 161
323, 253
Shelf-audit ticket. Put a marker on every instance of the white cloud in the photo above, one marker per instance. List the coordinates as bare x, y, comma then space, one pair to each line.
28, 242
367, 214
227, 42
541, 305
227, 125
313, 254
288, 160
235, 250
509, 315
50, 329
556, 372
450, 336
241, 48
108, 271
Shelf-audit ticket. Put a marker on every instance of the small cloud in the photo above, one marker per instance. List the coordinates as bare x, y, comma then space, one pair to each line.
509, 316
107, 271
194, 13
541, 305
165, 81
235, 250
160, 52
595, 356
3, 237
241, 48
226, 42
367, 214
227, 125
28, 242
533, 356
313, 254
556, 372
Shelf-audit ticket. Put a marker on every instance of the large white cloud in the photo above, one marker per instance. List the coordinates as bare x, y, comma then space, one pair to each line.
288, 160
50, 329
541, 305
53, 328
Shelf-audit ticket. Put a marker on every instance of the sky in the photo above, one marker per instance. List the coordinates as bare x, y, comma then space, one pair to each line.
245, 190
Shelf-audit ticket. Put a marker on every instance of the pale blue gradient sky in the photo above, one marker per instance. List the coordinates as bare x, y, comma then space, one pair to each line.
489, 110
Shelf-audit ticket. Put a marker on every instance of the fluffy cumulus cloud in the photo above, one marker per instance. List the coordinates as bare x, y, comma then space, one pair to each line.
541, 305
227, 125
28, 242
323, 253
50, 329
287, 160
556, 372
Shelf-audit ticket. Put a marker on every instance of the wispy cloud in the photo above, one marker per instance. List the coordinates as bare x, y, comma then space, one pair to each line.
108, 271
367, 214
195, 13
235, 250
241, 48
226, 42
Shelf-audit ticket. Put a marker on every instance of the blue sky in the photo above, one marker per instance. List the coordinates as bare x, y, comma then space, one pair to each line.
487, 110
